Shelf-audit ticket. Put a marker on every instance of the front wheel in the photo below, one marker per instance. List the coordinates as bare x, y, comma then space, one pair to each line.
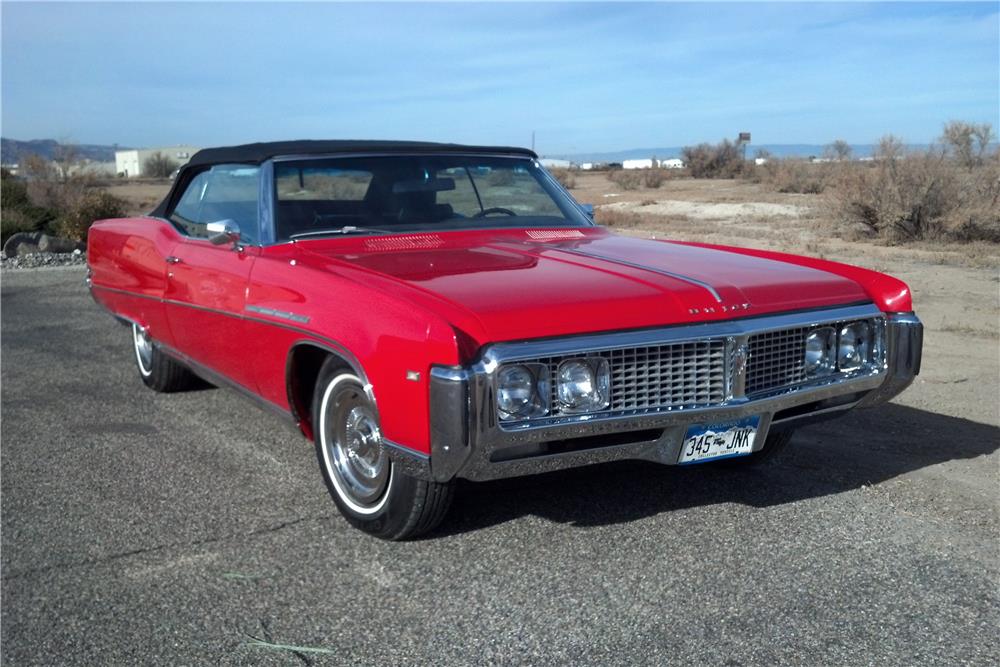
371, 493
158, 371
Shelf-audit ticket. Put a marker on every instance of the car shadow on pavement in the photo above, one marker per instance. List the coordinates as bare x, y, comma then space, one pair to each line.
865, 447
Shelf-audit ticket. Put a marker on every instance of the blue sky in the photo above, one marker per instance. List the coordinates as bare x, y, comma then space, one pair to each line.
586, 77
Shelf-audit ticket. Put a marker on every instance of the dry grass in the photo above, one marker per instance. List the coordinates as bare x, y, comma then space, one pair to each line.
565, 176
626, 179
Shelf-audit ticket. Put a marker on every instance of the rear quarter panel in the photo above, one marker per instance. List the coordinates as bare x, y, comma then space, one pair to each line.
126, 257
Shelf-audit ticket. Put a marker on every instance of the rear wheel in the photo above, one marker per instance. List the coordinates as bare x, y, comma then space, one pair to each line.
158, 371
371, 493
776, 443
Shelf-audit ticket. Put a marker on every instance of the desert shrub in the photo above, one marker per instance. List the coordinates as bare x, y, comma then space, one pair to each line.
626, 179
903, 196
654, 178
793, 175
13, 220
500, 177
19, 214
566, 177
839, 150
967, 143
158, 165
13, 192
95, 205
49, 187
610, 216
723, 160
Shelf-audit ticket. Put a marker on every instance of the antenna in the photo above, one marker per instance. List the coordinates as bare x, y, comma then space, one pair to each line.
532, 141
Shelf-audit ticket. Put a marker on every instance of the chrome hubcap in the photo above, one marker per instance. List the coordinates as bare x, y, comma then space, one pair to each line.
143, 349
354, 447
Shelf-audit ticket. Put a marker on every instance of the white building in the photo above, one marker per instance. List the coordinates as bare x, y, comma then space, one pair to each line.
672, 163
587, 166
637, 164
553, 163
131, 163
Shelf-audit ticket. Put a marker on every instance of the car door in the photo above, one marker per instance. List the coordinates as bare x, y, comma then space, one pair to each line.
206, 282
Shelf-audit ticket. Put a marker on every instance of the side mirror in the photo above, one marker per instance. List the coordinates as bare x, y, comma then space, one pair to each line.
224, 231
588, 209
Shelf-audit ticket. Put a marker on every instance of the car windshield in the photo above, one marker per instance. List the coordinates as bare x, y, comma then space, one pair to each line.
399, 194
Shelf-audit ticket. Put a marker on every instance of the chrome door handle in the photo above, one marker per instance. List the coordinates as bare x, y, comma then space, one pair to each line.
173, 260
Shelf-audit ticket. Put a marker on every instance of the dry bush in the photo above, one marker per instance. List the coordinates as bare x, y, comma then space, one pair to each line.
793, 175
723, 160
500, 177
903, 196
13, 220
95, 205
19, 214
616, 217
566, 177
50, 187
626, 179
158, 165
654, 178
968, 143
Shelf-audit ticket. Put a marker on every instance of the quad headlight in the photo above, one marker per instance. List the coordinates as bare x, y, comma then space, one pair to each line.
518, 395
850, 347
820, 350
583, 385
525, 390
854, 348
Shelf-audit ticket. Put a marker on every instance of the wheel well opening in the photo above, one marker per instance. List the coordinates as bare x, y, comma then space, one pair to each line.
304, 363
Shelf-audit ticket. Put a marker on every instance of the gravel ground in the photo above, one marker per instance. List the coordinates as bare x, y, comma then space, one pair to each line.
175, 529
43, 259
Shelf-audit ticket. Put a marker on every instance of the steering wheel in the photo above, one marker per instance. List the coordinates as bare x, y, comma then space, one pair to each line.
495, 209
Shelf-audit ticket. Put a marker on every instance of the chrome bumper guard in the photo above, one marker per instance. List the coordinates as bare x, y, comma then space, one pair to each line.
468, 442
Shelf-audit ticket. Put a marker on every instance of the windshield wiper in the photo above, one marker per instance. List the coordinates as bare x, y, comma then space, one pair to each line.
346, 229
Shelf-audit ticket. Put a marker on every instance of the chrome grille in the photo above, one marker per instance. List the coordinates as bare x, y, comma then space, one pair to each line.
776, 359
680, 374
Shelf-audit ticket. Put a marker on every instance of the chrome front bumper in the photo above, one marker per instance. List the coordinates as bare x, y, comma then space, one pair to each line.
468, 442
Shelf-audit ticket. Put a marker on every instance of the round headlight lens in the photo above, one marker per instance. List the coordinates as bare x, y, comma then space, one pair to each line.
583, 385
819, 351
855, 346
515, 391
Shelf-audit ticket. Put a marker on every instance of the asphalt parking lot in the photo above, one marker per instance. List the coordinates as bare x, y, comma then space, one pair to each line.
195, 529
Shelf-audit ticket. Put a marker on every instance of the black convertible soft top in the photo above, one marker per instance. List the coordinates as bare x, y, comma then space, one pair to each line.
260, 152
257, 153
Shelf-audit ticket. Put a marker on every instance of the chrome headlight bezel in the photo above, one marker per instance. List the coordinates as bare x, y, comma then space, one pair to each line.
583, 385
535, 394
819, 358
855, 346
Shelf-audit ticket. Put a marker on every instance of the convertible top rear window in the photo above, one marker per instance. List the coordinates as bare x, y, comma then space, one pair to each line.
407, 193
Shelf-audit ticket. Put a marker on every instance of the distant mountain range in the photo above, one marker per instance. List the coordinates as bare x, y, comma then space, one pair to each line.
13, 151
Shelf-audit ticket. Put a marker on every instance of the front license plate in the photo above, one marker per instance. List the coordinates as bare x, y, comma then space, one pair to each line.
711, 442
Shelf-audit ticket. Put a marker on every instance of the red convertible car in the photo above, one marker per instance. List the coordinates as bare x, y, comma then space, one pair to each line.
427, 312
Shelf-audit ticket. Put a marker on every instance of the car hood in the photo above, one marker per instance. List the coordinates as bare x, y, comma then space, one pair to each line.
502, 285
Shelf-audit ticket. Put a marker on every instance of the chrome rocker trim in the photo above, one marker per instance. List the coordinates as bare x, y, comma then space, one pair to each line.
467, 441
